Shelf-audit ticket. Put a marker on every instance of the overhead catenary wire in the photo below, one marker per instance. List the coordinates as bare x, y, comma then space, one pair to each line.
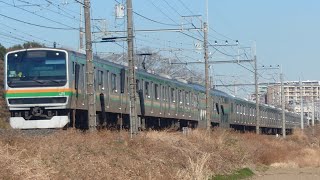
26, 33
57, 22
48, 9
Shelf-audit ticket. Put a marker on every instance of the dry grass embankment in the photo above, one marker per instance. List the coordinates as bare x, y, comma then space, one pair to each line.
152, 155
4, 114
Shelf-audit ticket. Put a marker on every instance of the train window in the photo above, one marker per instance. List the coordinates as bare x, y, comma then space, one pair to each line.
168, 94
217, 107
146, 89
222, 109
84, 76
107, 79
137, 85
114, 82
163, 92
73, 67
187, 94
172, 95
100, 78
180, 96
156, 91
231, 107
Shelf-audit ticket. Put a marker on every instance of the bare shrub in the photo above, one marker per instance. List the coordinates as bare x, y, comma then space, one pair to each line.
200, 154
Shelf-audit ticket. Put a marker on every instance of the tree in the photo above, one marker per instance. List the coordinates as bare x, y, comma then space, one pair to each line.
3, 51
26, 45
159, 64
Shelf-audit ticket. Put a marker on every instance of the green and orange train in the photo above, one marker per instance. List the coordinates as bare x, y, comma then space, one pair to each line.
45, 88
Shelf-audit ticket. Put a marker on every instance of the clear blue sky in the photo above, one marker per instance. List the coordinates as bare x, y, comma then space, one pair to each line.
286, 32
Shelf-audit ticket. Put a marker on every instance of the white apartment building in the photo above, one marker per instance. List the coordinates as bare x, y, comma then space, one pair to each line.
310, 91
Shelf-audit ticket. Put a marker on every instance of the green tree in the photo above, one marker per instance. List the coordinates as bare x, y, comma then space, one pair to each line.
3, 51
26, 45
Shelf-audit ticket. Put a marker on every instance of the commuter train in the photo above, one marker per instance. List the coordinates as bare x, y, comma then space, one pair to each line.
45, 88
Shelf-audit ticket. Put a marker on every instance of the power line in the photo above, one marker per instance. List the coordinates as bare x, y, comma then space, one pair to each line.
28, 34
64, 15
39, 15
32, 24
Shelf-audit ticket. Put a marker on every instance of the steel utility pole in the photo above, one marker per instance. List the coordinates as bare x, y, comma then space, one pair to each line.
283, 107
81, 31
131, 64
301, 106
257, 95
89, 70
206, 57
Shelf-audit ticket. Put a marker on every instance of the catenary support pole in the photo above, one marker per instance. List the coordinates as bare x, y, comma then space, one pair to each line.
301, 106
89, 69
132, 79
283, 107
206, 57
257, 95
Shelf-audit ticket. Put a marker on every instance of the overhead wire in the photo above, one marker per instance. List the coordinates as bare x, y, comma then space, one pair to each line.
38, 25
57, 22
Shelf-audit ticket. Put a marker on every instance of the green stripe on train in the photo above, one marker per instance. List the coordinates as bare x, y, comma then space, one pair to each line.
37, 94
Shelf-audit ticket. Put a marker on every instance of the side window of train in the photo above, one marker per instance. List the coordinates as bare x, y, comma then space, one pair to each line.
222, 109
137, 85
163, 92
147, 89
84, 76
114, 82
169, 94
156, 91
73, 67
231, 108
76, 75
172, 95
100, 78
179, 97
187, 94
217, 107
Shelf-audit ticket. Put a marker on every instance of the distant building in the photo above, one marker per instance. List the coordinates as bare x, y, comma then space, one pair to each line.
292, 89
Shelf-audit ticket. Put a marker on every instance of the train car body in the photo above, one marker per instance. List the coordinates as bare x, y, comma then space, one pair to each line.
45, 88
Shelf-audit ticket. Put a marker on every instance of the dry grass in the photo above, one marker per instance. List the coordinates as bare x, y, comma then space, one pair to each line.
152, 155
4, 114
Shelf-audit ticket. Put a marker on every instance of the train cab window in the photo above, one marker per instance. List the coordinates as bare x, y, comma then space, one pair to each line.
156, 91
172, 95
114, 82
147, 89
217, 107
100, 78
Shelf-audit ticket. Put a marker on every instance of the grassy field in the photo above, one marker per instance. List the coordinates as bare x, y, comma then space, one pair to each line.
72, 154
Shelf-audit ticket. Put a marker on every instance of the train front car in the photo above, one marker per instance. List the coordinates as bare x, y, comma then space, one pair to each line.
37, 88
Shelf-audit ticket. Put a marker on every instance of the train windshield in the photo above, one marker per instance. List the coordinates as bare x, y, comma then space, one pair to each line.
37, 68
